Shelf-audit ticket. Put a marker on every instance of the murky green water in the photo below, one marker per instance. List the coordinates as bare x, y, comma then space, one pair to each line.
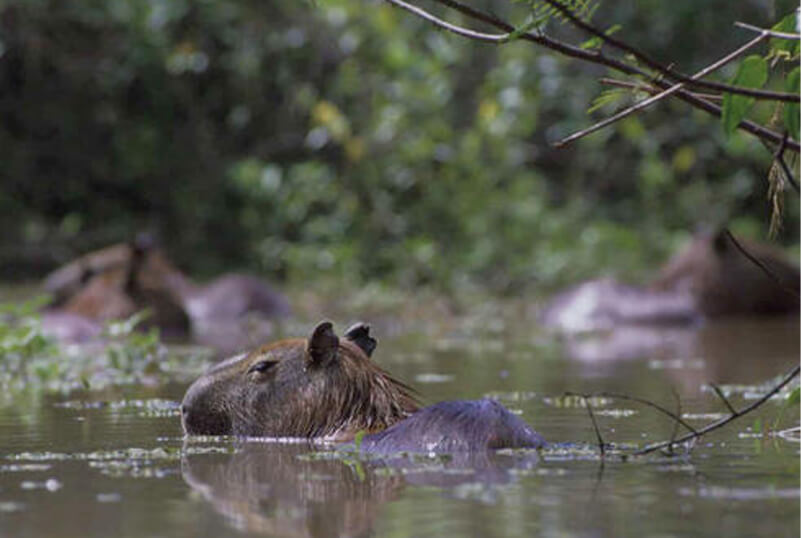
115, 463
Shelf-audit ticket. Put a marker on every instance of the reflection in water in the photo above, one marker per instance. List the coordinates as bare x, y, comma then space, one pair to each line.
290, 490
725, 351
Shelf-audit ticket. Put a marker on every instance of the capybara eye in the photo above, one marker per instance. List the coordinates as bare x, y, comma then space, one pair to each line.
262, 366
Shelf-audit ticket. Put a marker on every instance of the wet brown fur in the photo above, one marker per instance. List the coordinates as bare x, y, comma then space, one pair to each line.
724, 282
320, 387
119, 291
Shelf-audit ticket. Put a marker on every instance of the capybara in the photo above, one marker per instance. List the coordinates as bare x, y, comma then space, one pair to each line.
119, 291
69, 279
724, 282
709, 278
326, 387
151, 278
603, 304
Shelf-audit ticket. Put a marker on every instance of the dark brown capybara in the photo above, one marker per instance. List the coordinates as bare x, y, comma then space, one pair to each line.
69, 279
155, 277
724, 282
119, 291
326, 387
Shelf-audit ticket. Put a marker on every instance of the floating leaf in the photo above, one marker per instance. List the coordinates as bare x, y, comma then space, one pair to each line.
752, 73
794, 397
357, 439
791, 110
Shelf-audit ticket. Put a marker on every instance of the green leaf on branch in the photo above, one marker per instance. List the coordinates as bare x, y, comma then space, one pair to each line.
786, 25
606, 97
596, 42
791, 110
530, 24
752, 73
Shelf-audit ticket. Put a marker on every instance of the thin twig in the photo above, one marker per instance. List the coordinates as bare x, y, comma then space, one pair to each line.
653, 99
458, 30
722, 422
771, 33
588, 405
675, 417
596, 57
641, 86
675, 431
759, 263
666, 70
779, 156
723, 397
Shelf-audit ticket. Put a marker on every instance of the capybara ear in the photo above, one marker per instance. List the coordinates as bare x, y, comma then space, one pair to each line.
322, 345
359, 334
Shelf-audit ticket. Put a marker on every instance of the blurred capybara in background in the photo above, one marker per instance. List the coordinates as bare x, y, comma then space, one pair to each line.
724, 282
119, 280
329, 388
66, 281
603, 304
114, 283
709, 278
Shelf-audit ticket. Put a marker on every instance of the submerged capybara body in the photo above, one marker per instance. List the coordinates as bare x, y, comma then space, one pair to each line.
724, 282
326, 387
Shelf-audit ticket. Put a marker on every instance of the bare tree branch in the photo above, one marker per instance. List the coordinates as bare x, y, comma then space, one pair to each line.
667, 70
588, 405
675, 431
458, 30
779, 156
642, 86
722, 422
759, 263
676, 417
771, 33
595, 56
722, 397
653, 99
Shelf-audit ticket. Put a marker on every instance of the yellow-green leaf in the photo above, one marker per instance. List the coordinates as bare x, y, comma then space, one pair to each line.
786, 25
752, 73
791, 110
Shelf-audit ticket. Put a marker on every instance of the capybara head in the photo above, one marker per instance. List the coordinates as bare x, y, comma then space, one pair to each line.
120, 289
725, 282
322, 386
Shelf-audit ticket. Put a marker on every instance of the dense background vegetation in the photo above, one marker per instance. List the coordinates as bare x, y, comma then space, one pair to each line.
350, 140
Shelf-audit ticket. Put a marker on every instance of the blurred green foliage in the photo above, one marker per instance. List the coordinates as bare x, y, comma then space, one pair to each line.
350, 140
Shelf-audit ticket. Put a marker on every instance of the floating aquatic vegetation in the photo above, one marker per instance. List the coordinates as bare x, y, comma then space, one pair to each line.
433, 378
511, 396
758, 390
616, 413
30, 361
676, 364
51, 485
740, 494
576, 401
704, 416
25, 467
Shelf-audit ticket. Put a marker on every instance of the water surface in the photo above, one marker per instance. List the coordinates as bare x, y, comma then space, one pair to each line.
114, 462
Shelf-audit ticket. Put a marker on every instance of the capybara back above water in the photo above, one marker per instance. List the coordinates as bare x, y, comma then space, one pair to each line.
327, 387
724, 282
